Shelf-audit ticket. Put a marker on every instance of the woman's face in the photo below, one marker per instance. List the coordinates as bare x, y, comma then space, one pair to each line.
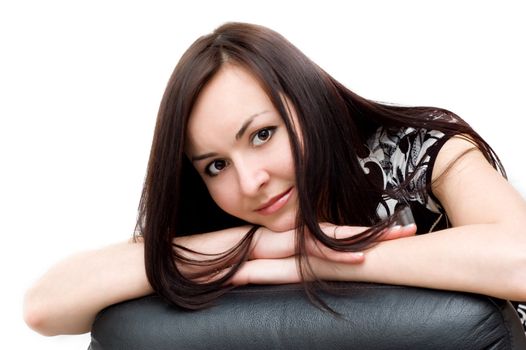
239, 144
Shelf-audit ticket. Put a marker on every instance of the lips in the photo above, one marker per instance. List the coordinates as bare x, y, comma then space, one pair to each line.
275, 203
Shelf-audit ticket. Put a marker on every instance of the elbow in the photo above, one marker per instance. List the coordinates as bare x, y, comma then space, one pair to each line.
35, 314
35, 321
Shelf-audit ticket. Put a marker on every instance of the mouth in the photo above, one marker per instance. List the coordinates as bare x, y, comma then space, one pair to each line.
275, 203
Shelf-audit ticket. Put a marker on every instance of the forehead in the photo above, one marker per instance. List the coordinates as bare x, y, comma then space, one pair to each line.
226, 101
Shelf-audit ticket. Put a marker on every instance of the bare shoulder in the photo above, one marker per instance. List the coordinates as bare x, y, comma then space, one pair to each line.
469, 188
456, 153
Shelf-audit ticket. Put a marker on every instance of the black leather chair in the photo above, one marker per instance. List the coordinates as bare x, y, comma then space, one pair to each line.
373, 316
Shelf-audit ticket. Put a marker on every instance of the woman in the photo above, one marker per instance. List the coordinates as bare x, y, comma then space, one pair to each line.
264, 169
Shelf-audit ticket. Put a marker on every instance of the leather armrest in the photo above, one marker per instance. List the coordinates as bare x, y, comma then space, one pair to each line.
373, 316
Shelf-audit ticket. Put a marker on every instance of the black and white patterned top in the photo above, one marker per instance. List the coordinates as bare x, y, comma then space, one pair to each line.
406, 156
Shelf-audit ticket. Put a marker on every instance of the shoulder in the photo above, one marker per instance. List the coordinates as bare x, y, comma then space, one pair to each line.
452, 150
470, 188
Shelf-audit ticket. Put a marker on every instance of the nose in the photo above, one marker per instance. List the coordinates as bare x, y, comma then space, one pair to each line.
252, 176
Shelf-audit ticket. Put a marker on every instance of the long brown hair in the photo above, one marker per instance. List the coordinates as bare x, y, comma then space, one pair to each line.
175, 201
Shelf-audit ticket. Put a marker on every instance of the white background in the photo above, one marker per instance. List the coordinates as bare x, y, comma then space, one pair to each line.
80, 84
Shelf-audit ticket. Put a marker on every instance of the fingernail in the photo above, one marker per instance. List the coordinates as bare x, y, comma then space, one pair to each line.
411, 225
396, 228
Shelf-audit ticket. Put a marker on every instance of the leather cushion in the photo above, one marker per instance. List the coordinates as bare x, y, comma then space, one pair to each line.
373, 316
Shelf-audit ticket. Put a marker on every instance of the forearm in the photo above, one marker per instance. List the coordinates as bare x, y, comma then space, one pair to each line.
487, 259
69, 296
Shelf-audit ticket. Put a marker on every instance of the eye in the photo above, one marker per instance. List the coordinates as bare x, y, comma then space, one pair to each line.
263, 135
215, 167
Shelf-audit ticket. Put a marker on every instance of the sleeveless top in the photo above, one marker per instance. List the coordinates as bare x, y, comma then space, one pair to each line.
400, 156
406, 156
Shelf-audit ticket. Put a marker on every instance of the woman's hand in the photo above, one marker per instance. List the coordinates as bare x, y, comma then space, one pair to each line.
285, 271
271, 245
273, 258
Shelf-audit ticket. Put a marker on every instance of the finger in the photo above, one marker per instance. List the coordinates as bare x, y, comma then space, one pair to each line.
318, 249
285, 271
278, 245
396, 232
343, 257
315, 248
340, 232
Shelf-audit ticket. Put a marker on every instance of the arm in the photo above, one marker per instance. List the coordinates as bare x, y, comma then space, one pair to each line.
268, 245
67, 298
483, 253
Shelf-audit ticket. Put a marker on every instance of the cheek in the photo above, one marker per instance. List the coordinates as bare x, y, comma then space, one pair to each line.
289, 164
224, 196
283, 161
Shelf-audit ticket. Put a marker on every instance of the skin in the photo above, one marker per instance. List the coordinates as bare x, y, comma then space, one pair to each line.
243, 170
487, 214
483, 252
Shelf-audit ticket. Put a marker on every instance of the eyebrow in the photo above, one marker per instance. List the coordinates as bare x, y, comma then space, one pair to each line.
239, 135
203, 156
247, 123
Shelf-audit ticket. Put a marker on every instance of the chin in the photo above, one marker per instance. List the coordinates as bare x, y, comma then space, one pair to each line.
279, 229
282, 224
